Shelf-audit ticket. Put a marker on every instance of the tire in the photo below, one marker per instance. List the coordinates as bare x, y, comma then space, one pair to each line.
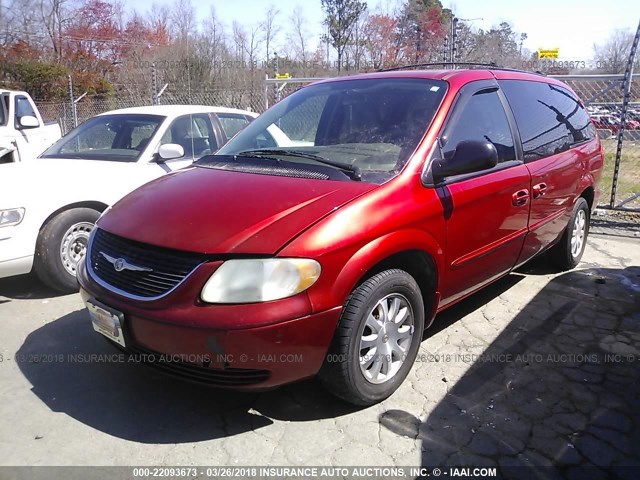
370, 378
61, 243
566, 254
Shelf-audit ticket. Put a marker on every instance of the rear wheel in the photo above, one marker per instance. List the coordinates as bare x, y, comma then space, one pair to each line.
377, 339
62, 243
566, 254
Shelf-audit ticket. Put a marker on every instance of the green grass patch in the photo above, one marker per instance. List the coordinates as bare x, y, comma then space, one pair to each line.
628, 175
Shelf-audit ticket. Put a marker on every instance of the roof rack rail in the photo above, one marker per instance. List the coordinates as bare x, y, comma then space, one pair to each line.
493, 66
444, 64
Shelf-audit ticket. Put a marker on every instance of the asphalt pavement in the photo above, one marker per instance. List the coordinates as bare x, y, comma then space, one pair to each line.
539, 369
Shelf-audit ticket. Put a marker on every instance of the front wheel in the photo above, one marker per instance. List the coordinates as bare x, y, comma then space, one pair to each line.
377, 339
566, 254
61, 244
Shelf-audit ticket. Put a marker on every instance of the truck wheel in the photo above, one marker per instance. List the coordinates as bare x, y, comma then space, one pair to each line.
377, 339
61, 244
566, 254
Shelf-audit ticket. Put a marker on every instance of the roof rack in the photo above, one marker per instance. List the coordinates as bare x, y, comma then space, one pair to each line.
491, 65
433, 64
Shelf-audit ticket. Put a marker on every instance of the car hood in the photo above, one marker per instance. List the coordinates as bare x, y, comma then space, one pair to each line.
57, 182
219, 212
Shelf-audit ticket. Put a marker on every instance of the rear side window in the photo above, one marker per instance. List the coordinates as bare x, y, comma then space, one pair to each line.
232, 124
550, 119
481, 118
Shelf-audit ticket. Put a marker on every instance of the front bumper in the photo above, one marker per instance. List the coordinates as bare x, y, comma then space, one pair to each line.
16, 250
237, 346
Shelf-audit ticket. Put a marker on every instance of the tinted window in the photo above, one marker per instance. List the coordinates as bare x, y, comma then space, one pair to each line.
481, 118
371, 126
301, 123
549, 118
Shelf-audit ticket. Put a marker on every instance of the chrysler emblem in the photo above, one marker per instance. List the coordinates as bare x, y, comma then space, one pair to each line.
120, 264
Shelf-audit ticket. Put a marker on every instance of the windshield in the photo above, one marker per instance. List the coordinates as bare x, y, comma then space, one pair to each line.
119, 137
367, 129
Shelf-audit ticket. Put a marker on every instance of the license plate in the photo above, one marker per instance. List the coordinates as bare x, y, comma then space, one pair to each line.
106, 321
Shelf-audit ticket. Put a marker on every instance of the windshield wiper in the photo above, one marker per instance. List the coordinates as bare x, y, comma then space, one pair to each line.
351, 170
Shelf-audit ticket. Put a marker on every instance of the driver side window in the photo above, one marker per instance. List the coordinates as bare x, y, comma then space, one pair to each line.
482, 118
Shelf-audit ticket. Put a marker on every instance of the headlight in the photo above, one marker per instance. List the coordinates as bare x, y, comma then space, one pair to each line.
11, 216
260, 280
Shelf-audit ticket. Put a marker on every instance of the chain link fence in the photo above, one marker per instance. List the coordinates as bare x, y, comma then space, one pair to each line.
602, 94
90, 106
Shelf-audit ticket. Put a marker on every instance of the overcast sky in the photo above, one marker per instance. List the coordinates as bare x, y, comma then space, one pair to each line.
571, 25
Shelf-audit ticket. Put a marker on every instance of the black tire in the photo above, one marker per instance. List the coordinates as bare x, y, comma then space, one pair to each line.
341, 372
53, 238
563, 255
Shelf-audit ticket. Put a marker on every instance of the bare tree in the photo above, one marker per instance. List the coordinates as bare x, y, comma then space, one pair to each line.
213, 40
7, 24
183, 16
270, 29
55, 15
252, 46
159, 17
297, 37
239, 42
613, 54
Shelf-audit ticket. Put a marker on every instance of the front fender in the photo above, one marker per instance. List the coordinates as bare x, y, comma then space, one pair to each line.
343, 270
384, 247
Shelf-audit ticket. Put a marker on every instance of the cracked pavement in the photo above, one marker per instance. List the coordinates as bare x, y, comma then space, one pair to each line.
538, 369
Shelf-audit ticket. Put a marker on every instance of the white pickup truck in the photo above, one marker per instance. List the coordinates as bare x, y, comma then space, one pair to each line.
23, 134
48, 206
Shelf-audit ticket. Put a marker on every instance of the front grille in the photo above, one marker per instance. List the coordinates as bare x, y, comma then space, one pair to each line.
227, 377
163, 268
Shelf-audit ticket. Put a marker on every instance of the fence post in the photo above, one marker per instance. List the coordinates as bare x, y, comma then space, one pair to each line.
74, 112
154, 85
64, 119
626, 85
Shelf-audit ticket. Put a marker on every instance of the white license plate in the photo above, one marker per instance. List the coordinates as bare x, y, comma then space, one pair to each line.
106, 321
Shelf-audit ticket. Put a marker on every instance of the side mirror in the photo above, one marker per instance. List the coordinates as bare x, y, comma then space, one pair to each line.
470, 156
28, 121
169, 151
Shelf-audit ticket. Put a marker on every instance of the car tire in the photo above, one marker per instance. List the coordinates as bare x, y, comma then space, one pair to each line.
377, 339
566, 254
62, 242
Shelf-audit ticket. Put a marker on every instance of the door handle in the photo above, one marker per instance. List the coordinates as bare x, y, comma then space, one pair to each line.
539, 190
521, 197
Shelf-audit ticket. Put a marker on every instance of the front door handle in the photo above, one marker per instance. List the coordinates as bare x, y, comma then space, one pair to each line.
539, 190
521, 197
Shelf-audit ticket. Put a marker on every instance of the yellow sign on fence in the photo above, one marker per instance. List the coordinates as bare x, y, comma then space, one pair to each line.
548, 53
283, 76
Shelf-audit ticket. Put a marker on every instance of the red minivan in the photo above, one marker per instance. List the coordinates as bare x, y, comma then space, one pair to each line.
326, 235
